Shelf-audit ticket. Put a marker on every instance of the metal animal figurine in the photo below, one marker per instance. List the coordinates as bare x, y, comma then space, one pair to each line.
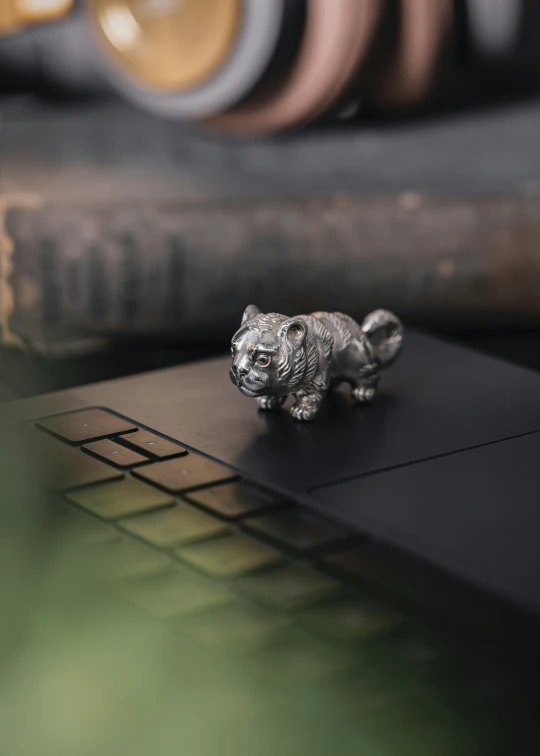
274, 356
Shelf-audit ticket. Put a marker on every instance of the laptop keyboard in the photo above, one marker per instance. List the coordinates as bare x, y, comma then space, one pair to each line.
86, 425
171, 510
239, 569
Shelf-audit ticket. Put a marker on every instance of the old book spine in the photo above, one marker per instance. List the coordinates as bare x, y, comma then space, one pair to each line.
188, 271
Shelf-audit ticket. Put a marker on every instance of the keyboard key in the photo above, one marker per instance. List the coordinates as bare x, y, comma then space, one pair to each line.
351, 619
115, 500
191, 471
61, 467
176, 595
152, 445
299, 659
114, 453
86, 530
421, 648
234, 627
86, 425
127, 560
230, 557
291, 587
175, 526
299, 529
236, 500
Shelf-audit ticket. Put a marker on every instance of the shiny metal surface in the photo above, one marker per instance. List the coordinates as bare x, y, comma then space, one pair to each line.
248, 57
275, 356
423, 45
15, 14
168, 44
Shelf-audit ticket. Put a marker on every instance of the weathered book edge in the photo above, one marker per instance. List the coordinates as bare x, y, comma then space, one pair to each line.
74, 275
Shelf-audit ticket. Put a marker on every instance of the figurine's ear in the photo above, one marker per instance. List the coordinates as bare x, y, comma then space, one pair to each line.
249, 313
295, 331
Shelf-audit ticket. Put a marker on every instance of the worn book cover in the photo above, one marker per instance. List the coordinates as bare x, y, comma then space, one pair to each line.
113, 223
75, 274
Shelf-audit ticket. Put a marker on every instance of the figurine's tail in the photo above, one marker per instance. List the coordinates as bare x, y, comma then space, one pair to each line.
384, 332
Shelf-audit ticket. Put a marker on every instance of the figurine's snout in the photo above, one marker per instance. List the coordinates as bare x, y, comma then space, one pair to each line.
240, 370
237, 373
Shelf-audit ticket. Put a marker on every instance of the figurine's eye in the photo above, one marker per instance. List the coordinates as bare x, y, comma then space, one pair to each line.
263, 360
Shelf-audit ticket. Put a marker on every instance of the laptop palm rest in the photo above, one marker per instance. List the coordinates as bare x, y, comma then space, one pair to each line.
476, 513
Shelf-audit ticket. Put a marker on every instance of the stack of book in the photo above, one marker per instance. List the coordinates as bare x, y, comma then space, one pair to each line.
116, 224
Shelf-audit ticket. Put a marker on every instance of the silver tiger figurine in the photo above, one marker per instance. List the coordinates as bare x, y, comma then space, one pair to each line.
274, 356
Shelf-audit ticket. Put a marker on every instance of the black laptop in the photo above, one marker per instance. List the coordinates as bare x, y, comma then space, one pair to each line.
380, 565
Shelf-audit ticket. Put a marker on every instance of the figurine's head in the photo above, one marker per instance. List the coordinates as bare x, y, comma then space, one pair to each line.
269, 353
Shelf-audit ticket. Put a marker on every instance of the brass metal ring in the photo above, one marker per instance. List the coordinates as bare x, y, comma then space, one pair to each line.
16, 14
217, 59
168, 44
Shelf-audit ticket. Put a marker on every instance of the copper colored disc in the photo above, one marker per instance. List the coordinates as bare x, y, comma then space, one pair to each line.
425, 28
337, 38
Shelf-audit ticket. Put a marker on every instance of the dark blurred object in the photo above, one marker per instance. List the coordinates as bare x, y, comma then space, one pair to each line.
337, 51
137, 227
59, 58
499, 31
25, 373
420, 64
185, 273
146, 234
255, 67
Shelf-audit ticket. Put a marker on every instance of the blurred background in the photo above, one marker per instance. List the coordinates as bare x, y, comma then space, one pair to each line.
165, 162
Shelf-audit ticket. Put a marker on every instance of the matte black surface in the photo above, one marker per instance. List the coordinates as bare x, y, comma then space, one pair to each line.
476, 513
437, 400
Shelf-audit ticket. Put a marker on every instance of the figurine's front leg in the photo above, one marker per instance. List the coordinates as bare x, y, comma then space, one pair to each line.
270, 403
365, 389
307, 405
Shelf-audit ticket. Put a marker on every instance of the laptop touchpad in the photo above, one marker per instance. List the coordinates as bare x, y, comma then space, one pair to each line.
475, 513
438, 398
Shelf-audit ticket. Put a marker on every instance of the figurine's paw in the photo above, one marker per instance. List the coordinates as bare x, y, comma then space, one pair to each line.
303, 413
269, 403
363, 394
